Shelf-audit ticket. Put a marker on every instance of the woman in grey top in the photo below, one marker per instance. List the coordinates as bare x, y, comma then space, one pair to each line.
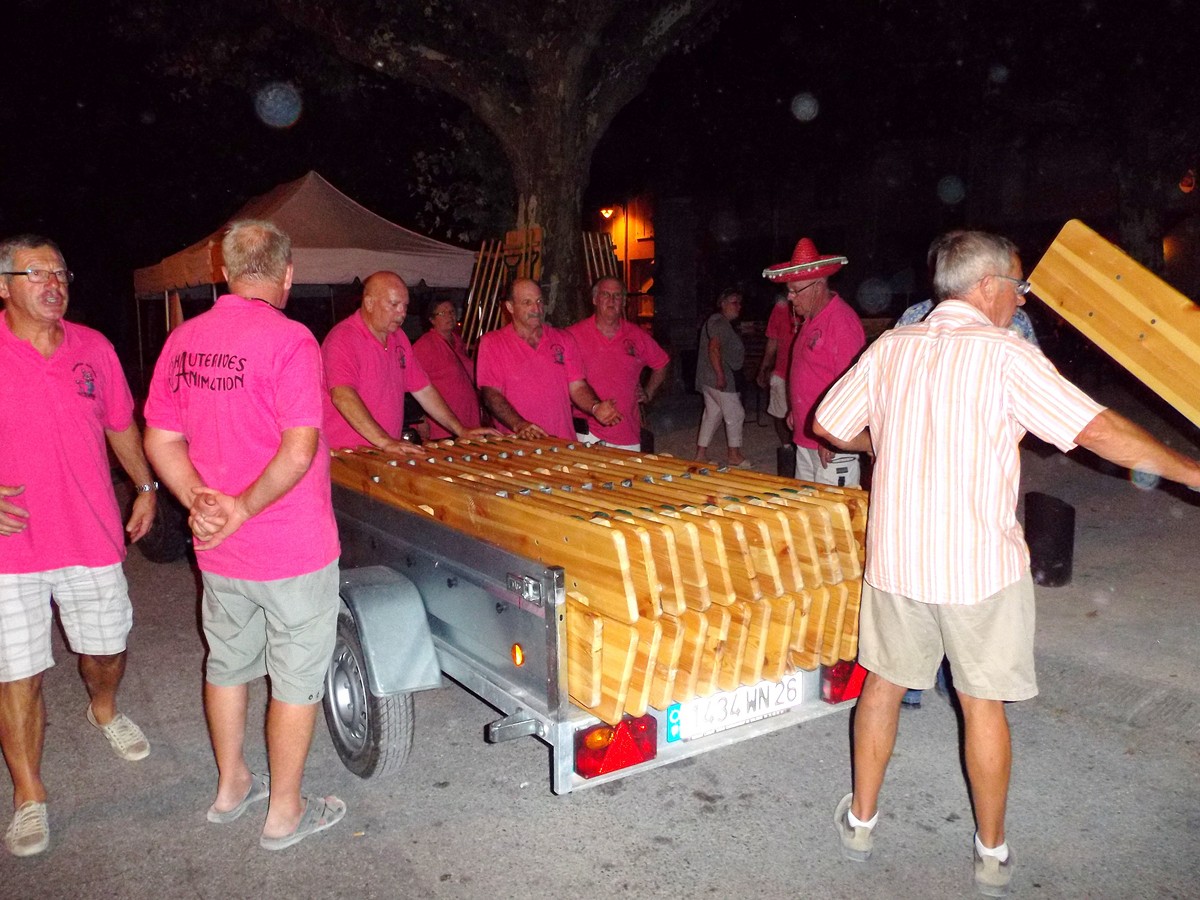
720, 354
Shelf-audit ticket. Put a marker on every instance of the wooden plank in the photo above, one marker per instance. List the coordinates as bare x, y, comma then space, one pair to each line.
644, 664
779, 635
757, 632
666, 666
595, 558
831, 637
739, 562
653, 564
807, 655
733, 653
714, 646
849, 648
584, 641
1130, 313
695, 633
616, 670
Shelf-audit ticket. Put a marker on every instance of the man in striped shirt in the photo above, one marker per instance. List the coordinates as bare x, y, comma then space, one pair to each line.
944, 405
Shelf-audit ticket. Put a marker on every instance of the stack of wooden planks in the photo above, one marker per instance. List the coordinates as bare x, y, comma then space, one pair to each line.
682, 579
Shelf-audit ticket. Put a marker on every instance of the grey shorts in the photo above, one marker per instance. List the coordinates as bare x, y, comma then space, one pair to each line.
989, 644
93, 606
283, 628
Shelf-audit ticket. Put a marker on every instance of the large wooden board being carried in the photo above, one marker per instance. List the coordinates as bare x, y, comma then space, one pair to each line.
1127, 311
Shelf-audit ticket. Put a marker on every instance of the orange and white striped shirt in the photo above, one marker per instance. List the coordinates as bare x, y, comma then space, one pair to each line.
948, 401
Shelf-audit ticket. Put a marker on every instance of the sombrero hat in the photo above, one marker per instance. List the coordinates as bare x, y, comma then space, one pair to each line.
806, 264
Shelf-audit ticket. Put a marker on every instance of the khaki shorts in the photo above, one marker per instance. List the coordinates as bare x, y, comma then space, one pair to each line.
989, 644
93, 606
283, 628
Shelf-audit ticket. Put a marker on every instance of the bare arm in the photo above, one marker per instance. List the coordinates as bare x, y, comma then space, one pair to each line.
768, 362
350, 404
504, 412
291, 461
860, 443
604, 411
1115, 438
168, 452
654, 383
127, 447
12, 517
714, 357
435, 405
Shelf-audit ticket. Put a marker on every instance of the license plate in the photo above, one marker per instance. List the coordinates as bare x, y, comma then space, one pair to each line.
720, 712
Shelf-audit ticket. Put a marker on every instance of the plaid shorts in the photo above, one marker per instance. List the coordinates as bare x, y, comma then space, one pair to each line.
93, 605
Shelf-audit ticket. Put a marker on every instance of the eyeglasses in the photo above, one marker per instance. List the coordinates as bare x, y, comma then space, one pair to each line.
444, 312
1019, 285
793, 292
41, 276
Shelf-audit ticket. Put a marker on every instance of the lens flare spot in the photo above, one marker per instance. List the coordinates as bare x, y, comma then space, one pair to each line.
278, 104
805, 107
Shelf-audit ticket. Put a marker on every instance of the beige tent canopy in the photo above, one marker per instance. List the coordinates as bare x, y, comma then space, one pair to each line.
334, 241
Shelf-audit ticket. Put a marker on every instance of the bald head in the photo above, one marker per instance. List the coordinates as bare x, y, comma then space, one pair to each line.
384, 303
526, 307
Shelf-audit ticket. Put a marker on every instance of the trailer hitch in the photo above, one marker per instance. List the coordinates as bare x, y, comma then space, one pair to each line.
513, 726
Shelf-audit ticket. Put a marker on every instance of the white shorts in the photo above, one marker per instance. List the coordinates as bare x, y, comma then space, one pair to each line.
93, 605
844, 470
778, 404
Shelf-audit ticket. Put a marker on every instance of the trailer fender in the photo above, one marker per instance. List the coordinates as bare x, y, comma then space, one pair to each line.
393, 630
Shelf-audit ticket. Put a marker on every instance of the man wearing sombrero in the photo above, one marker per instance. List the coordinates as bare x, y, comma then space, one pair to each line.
830, 338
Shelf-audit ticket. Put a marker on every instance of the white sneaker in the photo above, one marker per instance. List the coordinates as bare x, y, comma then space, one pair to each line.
29, 833
126, 739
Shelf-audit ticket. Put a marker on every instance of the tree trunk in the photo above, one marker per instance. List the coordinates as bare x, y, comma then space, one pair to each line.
551, 161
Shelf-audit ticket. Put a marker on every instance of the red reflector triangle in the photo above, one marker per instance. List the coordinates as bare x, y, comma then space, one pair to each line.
623, 751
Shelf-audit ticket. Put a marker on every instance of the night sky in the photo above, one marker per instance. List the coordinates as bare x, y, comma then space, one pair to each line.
124, 163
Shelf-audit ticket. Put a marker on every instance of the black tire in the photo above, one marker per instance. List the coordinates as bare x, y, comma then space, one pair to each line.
168, 538
373, 735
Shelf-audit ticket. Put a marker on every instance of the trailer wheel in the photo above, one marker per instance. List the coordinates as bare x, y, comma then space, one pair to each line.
373, 735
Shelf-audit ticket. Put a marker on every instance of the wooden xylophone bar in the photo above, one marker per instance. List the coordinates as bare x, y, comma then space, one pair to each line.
682, 579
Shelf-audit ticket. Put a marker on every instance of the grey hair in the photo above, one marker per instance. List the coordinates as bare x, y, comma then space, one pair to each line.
10, 248
256, 249
596, 284
966, 258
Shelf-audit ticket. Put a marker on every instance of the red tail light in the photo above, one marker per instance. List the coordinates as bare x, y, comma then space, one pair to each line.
842, 681
605, 748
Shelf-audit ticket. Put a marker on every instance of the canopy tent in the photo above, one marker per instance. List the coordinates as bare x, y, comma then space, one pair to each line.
334, 241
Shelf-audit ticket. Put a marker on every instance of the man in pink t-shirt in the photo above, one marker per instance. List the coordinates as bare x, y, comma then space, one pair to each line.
782, 325
529, 373
443, 354
62, 396
614, 353
234, 428
369, 365
830, 337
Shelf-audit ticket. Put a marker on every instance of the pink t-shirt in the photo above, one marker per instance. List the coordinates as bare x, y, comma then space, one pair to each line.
824, 348
380, 373
232, 381
536, 382
53, 417
782, 326
449, 370
613, 367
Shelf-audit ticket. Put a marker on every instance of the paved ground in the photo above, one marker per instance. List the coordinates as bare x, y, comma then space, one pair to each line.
1105, 800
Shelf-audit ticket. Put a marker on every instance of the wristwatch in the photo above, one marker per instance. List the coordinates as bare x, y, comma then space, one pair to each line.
146, 488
